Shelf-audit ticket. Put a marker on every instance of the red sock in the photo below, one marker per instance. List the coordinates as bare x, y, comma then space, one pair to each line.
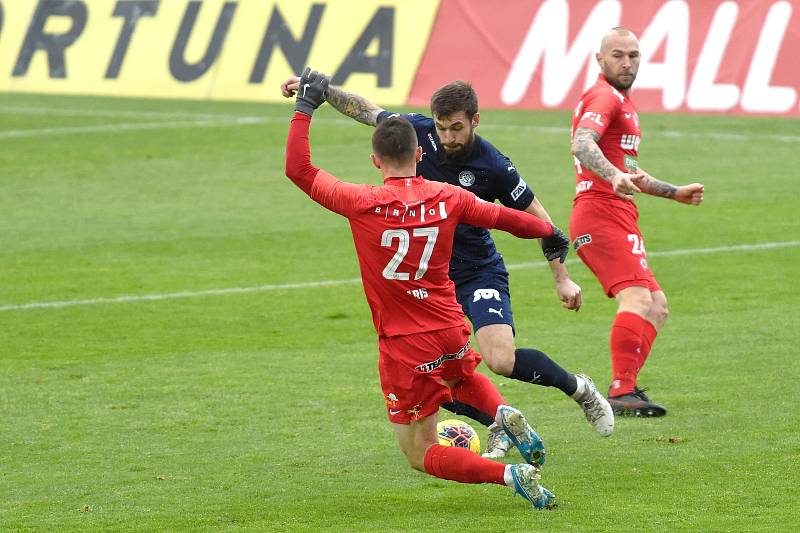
648, 338
462, 465
479, 392
626, 342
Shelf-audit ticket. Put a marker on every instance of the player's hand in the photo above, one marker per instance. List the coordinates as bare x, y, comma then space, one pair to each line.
691, 194
289, 87
312, 91
569, 293
556, 246
624, 184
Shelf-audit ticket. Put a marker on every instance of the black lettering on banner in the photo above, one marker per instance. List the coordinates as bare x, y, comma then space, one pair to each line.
278, 35
55, 44
180, 69
131, 11
381, 27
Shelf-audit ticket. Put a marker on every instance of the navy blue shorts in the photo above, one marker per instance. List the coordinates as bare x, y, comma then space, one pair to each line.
484, 296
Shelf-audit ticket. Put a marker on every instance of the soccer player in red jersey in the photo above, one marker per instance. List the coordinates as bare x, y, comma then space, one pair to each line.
403, 234
603, 223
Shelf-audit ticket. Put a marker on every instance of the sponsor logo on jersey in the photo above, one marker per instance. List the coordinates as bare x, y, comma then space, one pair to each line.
643, 263
466, 178
582, 240
433, 143
583, 186
430, 366
629, 142
519, 189
485, 294
631, 164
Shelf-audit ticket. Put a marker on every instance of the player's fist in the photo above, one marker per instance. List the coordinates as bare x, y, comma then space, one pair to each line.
556, 246
312, 91
691, 194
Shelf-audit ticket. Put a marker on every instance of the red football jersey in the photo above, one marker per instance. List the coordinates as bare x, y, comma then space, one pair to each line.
611, 114
403, 233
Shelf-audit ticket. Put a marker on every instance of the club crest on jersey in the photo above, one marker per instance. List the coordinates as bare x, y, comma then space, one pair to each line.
466, 178
580, 241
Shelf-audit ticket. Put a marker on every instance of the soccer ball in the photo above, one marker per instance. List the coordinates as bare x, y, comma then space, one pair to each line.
457, 433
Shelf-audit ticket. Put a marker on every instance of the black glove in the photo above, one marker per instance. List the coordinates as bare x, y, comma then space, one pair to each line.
312, 91
556, 246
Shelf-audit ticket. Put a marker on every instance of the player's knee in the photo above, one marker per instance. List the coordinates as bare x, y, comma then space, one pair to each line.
637, 300
500, 359
659, 311
660, 314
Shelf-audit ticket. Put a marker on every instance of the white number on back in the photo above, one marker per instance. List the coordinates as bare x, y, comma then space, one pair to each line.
390, 271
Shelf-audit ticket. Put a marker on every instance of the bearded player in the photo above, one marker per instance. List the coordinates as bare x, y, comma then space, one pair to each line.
604, 220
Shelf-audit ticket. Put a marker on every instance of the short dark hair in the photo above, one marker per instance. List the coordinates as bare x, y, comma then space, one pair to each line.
395, 139
454, 97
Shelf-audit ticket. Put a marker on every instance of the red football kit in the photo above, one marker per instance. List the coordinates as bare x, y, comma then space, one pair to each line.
403, 234
602, 225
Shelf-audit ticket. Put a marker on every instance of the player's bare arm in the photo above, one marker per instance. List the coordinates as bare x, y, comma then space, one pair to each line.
354, 106
568, 292
349, 104
587, 151
691, 194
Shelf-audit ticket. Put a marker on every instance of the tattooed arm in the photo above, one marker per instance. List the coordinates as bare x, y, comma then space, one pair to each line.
650, 185
586, 150
588, 153
354, 106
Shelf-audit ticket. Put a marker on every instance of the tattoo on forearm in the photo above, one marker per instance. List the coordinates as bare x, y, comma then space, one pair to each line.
354, 106
586, 150
658, 188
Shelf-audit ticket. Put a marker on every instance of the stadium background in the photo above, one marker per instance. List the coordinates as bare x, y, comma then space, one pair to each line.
184, 343
700, 56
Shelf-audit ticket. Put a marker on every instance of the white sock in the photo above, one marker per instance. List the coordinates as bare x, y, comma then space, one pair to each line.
507, 477
581, 388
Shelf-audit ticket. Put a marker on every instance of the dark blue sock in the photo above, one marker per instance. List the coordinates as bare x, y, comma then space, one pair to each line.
533, 366
467, 410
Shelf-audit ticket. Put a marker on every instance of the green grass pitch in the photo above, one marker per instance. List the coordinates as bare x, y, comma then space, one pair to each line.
183, 346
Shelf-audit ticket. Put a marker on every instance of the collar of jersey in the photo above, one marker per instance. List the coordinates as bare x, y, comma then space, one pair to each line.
411, 180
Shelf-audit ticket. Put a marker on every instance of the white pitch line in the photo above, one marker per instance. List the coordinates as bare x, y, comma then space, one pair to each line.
335, 283
208, 120
131, 126
694, 251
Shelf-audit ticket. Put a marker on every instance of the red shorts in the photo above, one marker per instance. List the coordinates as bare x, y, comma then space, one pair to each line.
412, 368
608, 240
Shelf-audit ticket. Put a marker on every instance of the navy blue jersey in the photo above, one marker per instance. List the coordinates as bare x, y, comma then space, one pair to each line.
487, 173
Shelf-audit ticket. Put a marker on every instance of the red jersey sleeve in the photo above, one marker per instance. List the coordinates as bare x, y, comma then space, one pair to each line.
490, 215
325, 189
339, 196
598, 109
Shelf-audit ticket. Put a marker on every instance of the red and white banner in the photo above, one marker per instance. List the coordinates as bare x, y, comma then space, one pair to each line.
737, 56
